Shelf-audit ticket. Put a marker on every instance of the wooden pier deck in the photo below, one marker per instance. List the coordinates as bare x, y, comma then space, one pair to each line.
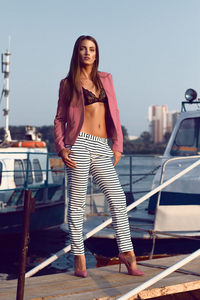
106, 283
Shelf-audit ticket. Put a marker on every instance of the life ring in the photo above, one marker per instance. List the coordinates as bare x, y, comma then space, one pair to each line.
29, 144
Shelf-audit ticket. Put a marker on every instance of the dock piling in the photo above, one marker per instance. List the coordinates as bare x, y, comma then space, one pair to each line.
29, 206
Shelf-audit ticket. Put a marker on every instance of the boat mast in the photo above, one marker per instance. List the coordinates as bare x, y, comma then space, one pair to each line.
6, 70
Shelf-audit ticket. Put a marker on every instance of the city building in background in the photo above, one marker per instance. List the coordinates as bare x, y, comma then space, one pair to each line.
161, 121
172, 117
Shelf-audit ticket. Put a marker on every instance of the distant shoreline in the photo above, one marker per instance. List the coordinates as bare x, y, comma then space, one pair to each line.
137, 146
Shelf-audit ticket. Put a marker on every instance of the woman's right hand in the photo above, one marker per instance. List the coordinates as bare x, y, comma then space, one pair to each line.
65, 157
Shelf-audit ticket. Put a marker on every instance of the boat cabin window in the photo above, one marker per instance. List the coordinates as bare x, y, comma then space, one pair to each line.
1, 171
19, 176
30, 174
37, 170
187, 141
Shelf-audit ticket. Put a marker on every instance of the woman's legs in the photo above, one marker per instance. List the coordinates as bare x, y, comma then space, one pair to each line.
91, 154
105, 175
77, 189
80, 265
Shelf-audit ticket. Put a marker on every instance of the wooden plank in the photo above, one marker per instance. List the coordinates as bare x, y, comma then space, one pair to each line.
104, 283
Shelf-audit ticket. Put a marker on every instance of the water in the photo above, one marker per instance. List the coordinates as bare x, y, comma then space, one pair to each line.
45, 243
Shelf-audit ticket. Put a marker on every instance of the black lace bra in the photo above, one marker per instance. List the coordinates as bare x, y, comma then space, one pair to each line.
90, 98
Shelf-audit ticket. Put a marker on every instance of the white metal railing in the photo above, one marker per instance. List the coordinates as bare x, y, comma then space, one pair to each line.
160, 276
109, 221
164, 167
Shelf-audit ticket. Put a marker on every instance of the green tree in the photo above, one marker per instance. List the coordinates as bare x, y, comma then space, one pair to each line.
124, 132
145, 137
167, 136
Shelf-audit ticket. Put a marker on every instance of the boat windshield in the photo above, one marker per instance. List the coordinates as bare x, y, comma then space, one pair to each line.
187, 140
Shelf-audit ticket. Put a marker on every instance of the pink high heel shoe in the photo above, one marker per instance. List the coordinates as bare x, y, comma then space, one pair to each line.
127, 261
78, 263
80, 273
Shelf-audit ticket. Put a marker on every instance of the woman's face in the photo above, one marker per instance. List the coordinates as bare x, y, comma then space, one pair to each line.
87, 52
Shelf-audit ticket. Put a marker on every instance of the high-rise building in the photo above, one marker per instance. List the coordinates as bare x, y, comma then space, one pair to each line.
160, 122
157, 122
172, 117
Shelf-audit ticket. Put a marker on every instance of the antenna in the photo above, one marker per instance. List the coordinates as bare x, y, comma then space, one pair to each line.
9, 40
2, 62
5, 65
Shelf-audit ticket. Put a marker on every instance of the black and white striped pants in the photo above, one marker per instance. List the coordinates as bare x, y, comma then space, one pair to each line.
93, 154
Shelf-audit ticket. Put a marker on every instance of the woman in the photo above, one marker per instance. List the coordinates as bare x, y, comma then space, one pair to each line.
87, 115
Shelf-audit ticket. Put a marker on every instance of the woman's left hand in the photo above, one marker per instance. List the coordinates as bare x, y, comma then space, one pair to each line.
117, 157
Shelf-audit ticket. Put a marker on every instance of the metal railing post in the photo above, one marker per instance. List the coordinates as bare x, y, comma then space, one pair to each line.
131, 174
91, 195
27, 171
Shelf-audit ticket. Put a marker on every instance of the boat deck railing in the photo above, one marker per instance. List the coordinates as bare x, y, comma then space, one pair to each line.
131, 174
55, 166
27, 171
109, 221
163, 169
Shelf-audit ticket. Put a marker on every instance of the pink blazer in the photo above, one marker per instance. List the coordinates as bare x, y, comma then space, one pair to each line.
70, 116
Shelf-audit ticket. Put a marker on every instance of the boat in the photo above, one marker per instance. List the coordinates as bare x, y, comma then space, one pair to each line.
169, 221
25, 164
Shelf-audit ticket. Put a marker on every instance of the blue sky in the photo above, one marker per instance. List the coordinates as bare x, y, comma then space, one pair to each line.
151, 47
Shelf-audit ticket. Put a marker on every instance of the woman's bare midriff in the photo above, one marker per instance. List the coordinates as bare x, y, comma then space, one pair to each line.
95, 120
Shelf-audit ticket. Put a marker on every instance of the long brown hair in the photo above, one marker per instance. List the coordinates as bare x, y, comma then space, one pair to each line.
74, 71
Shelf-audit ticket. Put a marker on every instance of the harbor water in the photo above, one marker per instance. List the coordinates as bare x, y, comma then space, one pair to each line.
44, 244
